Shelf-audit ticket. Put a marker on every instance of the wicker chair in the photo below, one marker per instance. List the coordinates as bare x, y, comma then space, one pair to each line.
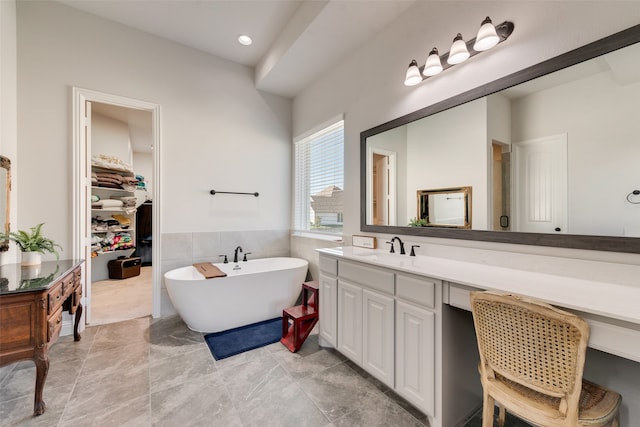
531, 362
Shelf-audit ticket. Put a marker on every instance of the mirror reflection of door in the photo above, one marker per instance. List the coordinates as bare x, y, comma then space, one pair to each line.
501, 186
383, 170
540, 185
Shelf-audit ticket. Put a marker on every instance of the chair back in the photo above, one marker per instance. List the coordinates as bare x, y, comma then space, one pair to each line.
531, 344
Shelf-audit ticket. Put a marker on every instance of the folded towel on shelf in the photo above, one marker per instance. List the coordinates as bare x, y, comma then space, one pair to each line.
109, 185
107, 203
122, 220
127, 202
109, 177
129, 180
110, 162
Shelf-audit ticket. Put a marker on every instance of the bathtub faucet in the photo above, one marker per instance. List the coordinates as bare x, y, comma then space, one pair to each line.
235, 253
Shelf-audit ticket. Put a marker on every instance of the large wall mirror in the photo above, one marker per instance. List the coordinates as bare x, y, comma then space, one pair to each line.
5, 189
551, 153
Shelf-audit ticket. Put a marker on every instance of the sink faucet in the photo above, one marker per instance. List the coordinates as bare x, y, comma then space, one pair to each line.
235, 254
402, 252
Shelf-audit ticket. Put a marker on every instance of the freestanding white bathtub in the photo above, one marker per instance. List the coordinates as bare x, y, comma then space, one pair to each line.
259, 290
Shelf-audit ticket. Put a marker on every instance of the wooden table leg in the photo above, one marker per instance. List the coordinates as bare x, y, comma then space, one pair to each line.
76, 335
41, 359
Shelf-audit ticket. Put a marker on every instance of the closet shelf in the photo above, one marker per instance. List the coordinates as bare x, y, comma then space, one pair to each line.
113, 252
131, 210
110, 190
116, 230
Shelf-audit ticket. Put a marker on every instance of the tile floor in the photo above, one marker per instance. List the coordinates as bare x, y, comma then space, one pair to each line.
146, 372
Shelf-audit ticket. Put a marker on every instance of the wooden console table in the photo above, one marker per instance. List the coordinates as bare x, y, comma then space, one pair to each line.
32, 300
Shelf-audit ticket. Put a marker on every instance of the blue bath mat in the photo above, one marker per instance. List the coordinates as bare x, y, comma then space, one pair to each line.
238, 340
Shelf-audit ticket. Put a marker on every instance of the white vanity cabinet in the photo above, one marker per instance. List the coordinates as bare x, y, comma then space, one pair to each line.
386, 324
328, 328
350, 321
366, 318
378, 336
415, 340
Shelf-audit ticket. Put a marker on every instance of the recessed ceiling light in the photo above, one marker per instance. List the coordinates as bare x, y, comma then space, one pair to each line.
244, 39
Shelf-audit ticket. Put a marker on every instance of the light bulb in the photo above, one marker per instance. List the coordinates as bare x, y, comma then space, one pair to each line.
413, 76
458, 52
433, 65
487, 36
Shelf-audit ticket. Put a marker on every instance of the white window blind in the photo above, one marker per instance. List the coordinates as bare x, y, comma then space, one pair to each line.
319, 181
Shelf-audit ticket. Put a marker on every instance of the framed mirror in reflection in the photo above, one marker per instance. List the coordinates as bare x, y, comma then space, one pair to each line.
445, 207
551, 153
5, 189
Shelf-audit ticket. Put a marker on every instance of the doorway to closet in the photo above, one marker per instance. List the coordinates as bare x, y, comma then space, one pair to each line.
116, 158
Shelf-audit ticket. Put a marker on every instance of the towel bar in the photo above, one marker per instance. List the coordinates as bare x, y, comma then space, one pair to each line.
212, 192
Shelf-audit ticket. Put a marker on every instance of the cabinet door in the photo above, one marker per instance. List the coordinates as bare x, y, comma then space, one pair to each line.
378, 320
350, 321
415, 355
328, 308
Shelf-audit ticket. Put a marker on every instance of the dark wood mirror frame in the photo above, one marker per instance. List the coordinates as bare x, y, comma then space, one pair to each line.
602, 243
5, 164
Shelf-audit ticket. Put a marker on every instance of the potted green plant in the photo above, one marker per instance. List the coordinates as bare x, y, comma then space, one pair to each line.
33, 244
418, 222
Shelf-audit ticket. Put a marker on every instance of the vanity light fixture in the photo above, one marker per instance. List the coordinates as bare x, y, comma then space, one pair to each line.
488, 36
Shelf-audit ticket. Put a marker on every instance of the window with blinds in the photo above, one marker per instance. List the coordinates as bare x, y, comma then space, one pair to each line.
319, 181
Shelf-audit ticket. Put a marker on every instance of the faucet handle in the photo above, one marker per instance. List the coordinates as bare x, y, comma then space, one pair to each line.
392, 250
244, 259
226, 261
413, 253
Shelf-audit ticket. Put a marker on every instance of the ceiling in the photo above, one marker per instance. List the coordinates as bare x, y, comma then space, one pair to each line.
308, 36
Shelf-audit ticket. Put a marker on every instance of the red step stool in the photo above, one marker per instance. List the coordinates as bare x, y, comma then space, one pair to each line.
298, 321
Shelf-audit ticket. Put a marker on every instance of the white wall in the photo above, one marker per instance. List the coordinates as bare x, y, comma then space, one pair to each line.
110, 137
218, 131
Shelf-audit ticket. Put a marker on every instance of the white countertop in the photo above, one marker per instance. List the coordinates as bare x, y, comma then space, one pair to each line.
606, 299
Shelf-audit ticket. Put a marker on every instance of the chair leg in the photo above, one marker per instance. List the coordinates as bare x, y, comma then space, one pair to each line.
502, 415
615, 422
487, 410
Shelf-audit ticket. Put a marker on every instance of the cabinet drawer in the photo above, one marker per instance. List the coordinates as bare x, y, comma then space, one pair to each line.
54, 325
75, 299
55, 298
67, 284
420, 290
329, 265
370, 277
